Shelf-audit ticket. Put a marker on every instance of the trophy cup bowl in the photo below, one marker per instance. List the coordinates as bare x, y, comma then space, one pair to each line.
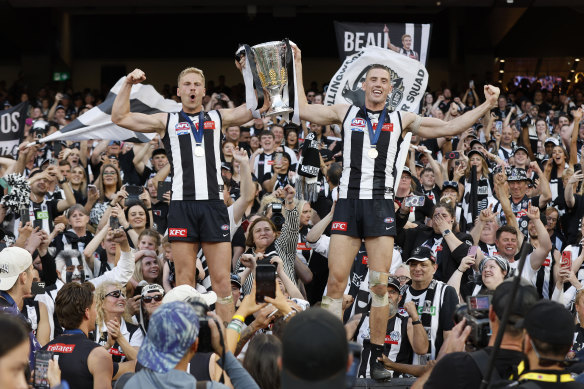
270, 58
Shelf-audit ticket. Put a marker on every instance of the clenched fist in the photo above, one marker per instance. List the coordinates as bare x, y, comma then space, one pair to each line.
136, 77
492, 94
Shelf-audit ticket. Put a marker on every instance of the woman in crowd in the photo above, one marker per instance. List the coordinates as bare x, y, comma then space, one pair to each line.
108, 185
227, 151
554, 170
492, 271
261, 360
150, 300
114, 329
254, 143
264, 239
138, 219
484, 178
78, 181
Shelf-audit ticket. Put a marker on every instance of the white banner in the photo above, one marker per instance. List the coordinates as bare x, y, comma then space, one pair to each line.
408, 79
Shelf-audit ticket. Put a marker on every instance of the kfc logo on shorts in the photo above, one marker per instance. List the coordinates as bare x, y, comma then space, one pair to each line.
389, 220
225, 227
339, 226
177, 232
182, 128
61, 348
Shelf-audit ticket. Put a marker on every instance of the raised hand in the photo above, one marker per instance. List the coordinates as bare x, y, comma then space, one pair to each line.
136, 77
492, 95
532, 212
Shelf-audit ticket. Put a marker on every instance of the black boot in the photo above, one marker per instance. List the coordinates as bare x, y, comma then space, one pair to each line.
376, 368
378, 371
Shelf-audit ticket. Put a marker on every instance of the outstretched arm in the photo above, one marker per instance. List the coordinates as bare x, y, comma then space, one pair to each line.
318, 113
435, 128
134, 121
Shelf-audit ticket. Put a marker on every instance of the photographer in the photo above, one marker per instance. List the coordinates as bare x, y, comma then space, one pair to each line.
172, 342
466, 370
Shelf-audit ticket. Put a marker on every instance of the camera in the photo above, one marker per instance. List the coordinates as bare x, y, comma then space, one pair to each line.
277, 217
201, 308
476, 313
453, 155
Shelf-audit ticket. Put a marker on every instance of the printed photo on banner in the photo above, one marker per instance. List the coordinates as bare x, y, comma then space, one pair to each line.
408, 39
409, 78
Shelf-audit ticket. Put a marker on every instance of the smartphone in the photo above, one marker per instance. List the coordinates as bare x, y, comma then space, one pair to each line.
415, 201
134, 191
472, 251
278, 158
24, 216
265, 281
453, 155
566, 262
41, 369
499, 126
163, 187
37, 223
114, 222
577, 167
471, 84
37, 288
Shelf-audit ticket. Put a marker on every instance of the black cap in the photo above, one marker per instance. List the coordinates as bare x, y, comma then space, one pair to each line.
392, 281
549, 322
475, 142
518, 174
407, 170
526, 297
60, 107
158, 151
227, 166
235, 279
421, 254
518, 148
114, 142
315, 351
476, 152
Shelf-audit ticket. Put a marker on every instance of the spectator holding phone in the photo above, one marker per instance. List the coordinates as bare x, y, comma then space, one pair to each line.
108, 186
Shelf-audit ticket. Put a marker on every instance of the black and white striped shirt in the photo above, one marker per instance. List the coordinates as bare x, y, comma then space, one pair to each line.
194, 178
364, 177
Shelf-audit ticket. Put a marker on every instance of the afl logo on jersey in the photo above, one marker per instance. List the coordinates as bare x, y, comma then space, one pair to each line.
182, 128
358, 124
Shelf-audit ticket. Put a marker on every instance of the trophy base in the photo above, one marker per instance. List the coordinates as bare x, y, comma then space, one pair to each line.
279, 111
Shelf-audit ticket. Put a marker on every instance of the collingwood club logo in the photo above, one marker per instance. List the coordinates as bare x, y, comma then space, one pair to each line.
356, 95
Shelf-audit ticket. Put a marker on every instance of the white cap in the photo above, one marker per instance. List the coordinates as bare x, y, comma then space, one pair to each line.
13, 261
185, 292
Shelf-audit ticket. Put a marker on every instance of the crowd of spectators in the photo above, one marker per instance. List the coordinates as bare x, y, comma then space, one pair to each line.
92, 222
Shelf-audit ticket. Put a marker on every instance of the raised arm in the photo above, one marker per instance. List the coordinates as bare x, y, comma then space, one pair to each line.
544, 185
247, 188
318, 113
435, 128
577, 114
134, 121
569, 189
545, 244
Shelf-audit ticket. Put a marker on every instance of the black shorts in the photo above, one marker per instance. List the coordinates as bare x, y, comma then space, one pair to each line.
364, 218
198, 221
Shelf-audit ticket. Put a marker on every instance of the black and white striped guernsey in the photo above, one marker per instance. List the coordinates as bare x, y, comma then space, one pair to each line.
364, 177
194, 178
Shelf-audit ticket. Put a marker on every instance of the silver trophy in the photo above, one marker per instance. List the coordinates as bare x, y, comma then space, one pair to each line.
270, 58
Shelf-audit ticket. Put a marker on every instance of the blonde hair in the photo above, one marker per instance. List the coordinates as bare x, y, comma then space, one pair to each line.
191, 70
138, 276
100, 293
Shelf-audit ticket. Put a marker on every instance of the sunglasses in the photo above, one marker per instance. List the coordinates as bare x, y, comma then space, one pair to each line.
116, 294
148, 299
